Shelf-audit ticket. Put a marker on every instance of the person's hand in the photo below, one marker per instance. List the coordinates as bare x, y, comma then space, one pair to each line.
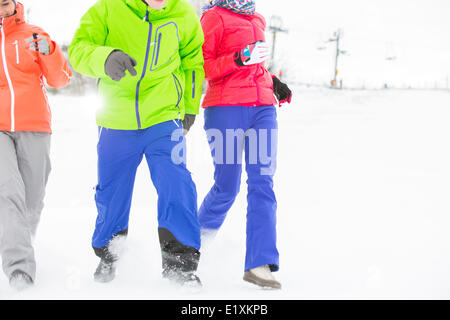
39, 44
188, 121
117, 63
281, 91
252, 54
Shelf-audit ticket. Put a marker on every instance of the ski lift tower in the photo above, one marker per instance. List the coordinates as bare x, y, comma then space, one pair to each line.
336, 38
275, 26
391, 57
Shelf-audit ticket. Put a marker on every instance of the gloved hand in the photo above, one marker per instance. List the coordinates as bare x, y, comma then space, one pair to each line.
252, 54
188, 121
117, 63
281, 91
39, 44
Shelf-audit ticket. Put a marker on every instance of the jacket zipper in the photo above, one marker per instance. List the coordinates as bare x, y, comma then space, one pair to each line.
144, 70
16, 43
257, 66
8, 78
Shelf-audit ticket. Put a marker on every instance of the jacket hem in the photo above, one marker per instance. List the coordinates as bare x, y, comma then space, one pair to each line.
144, 124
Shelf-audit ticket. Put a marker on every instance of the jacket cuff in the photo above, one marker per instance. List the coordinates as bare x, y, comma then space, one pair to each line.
99, 57
52, 45
191, 110
237, 59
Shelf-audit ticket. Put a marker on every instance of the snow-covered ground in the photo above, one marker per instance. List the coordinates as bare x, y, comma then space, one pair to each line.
363, 186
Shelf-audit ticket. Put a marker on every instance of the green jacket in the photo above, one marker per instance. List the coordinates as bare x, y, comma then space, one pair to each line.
167, 45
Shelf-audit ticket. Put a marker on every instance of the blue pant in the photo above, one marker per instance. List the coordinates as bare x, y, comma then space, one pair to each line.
119, 154
259, 143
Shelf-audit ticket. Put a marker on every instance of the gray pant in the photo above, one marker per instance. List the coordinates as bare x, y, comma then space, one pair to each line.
24, 170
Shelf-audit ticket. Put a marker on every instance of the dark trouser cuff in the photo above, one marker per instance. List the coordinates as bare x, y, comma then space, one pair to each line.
176, 256
104, 253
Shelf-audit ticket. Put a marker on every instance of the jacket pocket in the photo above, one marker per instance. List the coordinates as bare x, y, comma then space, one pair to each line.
166, 45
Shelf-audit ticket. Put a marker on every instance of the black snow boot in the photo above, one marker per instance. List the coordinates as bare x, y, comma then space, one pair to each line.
109, 254
179, 262
105, 272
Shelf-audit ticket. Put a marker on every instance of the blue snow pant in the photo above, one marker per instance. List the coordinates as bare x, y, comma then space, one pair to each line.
119, 154
260, 145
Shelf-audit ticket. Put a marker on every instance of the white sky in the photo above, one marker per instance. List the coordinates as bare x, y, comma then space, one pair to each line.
415, 31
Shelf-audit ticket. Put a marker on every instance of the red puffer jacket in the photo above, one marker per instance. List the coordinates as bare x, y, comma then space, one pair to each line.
226, 33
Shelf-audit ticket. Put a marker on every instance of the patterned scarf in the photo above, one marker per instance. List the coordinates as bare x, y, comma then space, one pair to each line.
238, 6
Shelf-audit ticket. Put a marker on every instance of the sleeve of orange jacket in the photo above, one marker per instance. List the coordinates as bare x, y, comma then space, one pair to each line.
215, 66
54, 66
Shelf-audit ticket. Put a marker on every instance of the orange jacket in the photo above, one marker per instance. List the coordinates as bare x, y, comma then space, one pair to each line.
23, 99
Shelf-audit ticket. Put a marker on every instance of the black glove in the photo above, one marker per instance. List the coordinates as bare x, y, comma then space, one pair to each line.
117, 63
281, 90
188, 121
